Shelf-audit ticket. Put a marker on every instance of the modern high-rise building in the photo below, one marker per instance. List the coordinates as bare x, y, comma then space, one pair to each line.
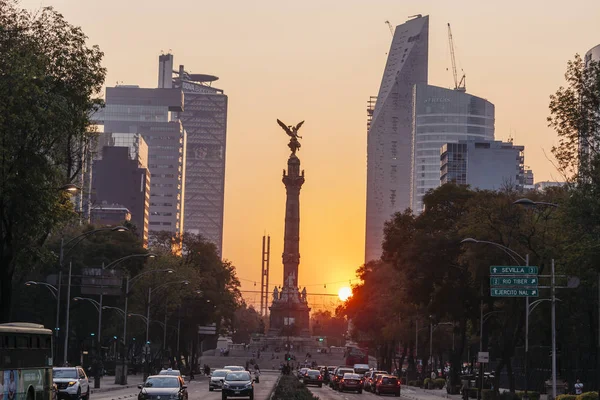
482, 164
120, 178
389, 140
592, 54
149, 112
205, 121
443, 116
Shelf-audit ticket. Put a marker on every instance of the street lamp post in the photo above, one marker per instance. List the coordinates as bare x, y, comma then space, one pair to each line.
77, 239
113, 265
54, 291
150, 290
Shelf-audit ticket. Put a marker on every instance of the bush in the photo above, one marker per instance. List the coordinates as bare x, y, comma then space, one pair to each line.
566, 397
426, 383
508, 396
473, 393
290, 388
532, 395
412, 383
588, 396
440, 383
488, 394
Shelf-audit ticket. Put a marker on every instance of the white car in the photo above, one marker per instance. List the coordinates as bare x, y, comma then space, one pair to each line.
234, 368
72, 383
216, 379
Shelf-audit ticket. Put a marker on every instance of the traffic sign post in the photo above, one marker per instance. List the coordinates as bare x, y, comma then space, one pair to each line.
513, 281
498, 270
511, 292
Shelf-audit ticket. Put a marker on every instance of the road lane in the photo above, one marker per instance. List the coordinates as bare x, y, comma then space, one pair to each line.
130, 393
326, 393
199, 390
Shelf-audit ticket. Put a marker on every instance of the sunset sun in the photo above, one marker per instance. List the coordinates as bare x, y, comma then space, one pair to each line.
345, 293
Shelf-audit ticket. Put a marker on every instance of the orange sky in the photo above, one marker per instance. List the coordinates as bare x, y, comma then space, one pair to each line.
319, 61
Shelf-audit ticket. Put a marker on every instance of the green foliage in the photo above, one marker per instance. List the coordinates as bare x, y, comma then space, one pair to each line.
412, 383
50, 80
567, 397
439, 383
426, 382
246, 321
488, 394
290, 388
587, 396
508, 396
532, 395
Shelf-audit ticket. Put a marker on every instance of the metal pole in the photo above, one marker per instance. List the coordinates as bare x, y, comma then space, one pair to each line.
430, 344
58, 285
99, 336
178, 331
480, 343
526, 336
598, 350
165, 331
553, 333
124, 369
147, 346
67, 318
416, 339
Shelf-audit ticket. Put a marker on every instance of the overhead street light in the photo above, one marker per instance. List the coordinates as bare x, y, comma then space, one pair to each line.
530, 203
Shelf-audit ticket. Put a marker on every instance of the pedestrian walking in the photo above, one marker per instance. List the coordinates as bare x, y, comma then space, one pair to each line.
578, 387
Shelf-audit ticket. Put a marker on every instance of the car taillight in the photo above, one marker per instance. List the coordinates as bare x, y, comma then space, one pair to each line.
398, 383
341, 380
320, 377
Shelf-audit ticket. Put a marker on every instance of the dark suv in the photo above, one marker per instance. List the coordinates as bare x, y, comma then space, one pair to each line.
238, 384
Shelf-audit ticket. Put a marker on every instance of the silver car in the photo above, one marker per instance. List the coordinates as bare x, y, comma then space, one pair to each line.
216, 379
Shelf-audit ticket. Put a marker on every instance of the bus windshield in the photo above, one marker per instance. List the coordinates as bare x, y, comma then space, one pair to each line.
26, 362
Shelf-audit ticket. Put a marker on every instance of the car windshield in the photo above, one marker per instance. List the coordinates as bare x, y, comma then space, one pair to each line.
238, 376
341, 372
351, 376
314, 373
65, 373
220, 374
161, 382
389, 381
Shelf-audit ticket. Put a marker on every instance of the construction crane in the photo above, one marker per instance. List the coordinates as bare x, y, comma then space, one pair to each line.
389, 24
462, 85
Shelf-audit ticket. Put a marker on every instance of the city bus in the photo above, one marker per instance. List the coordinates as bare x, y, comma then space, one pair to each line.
25, 362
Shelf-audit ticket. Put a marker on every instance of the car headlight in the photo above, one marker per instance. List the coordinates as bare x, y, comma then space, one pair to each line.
72, 383
248, 385
225, 385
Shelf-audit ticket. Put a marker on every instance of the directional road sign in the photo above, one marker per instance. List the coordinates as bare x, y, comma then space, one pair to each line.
496, 270
513, 281
509, 292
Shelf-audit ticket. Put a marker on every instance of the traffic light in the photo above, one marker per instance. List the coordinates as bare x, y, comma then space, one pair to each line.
288, 357
115, 337
92, 334
320, 339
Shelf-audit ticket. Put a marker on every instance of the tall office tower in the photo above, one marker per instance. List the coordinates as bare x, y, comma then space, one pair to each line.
130, 109
588, 140
205, 121
443, 116
482, 164
389, 140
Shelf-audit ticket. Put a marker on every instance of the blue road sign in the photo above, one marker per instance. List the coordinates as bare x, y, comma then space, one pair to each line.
498, 270
511, 292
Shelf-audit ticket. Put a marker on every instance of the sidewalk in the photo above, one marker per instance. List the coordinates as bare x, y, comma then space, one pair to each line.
416, 393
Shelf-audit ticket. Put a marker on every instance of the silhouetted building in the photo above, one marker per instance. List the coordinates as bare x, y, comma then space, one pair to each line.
389, 140
486, 165
443, 116
205, 121
149, 112
119, 179
110, 214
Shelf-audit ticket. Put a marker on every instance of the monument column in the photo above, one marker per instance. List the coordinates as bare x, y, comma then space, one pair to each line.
293, 181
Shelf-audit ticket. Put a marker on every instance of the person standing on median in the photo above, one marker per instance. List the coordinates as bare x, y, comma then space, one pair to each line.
578, 387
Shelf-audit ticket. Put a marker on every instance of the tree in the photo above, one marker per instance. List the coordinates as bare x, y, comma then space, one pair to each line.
246, 321
334, 327
50, 78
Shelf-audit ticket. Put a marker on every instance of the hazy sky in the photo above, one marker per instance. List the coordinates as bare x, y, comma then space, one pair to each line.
320, 61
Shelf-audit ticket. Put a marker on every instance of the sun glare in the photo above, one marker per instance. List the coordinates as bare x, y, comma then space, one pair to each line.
345, 293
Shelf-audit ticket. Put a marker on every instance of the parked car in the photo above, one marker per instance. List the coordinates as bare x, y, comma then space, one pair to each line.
238, 384
313, 377
71, 382
350, 381
387, 384
167, 386
338, 375
216, 379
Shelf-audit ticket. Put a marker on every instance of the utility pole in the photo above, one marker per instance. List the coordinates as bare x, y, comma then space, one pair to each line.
553, 333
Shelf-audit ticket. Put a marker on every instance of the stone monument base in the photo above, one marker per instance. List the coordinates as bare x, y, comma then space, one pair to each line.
289, 315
